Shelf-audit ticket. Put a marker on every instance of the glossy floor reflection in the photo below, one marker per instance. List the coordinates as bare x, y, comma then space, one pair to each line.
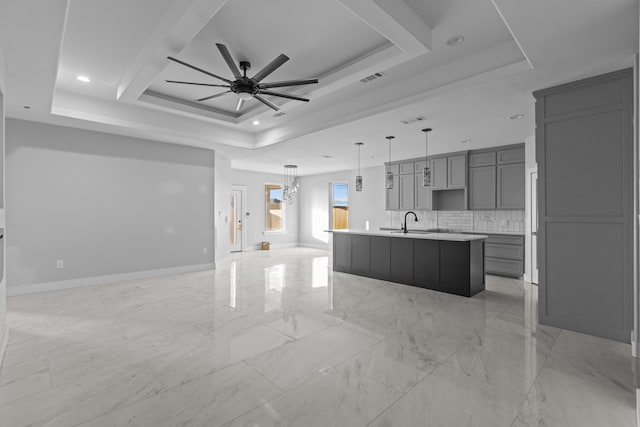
277, 339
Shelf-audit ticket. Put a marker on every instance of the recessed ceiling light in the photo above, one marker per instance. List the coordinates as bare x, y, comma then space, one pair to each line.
465, 141
83, 79
326, 156
455, 40
516, 116
256, 122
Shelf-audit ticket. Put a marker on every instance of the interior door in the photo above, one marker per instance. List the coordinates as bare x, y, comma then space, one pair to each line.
534, 226
236, 223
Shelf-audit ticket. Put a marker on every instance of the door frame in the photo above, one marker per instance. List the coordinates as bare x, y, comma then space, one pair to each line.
243, 214
529, 218
533, 221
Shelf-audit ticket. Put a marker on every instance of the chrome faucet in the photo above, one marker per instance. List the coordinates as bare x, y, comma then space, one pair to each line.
404, 227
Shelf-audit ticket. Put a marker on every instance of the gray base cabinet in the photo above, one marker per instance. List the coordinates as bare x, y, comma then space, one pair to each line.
504, 255
446, 266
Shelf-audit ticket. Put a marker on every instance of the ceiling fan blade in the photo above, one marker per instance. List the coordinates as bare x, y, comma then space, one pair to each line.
266, 102
239, 104
271, 67
193, 67
193, 83
229, 60
288, 83
283, 95
213, 96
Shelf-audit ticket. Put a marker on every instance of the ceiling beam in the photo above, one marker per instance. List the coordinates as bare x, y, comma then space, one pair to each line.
179, 129
182, 22
395, 21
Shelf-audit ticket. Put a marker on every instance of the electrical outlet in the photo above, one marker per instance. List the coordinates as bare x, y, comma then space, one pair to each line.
204, 250
60, 263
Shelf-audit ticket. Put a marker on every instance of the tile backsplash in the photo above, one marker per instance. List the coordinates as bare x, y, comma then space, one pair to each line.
463, 220
499, 221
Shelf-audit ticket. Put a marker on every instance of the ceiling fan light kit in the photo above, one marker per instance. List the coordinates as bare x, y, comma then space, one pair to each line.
247, 88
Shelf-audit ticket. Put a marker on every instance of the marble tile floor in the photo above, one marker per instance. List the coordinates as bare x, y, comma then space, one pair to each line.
278, 339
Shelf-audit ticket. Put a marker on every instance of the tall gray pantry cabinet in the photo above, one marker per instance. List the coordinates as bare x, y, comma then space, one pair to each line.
584, 151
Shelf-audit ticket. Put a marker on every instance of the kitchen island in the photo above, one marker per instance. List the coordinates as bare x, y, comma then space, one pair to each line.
446, 262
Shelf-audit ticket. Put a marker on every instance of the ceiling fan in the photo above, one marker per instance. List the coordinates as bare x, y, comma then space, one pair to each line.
247, 87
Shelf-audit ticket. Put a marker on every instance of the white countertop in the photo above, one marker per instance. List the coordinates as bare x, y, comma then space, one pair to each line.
427, 236
508, 233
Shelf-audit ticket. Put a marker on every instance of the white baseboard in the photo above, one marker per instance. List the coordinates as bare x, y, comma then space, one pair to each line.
257, 248
222, 262
315, 246
284, 245
4, 343
638, 407
100, 280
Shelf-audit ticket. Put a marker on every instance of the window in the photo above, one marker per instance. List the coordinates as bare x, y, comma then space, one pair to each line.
339, 206
274, 208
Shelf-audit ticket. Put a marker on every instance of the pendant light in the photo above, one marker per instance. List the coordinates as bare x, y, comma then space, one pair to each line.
291, 184
358, 176
426, 173
389, 173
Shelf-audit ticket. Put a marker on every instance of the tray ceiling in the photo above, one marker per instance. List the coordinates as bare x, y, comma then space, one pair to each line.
122, 46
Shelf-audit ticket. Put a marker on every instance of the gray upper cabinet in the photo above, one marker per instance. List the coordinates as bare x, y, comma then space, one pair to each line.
407, 190
496, 178
395, 169
392, 198
439, 173
482, 187
447, 172
482, 159
514, 155
510, 189
457, 171
406, 168
422, 194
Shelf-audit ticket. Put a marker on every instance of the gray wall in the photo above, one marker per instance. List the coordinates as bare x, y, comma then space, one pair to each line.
106, 204
255, 199
366, 205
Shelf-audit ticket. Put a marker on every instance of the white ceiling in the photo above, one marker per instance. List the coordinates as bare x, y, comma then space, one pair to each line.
467, 92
